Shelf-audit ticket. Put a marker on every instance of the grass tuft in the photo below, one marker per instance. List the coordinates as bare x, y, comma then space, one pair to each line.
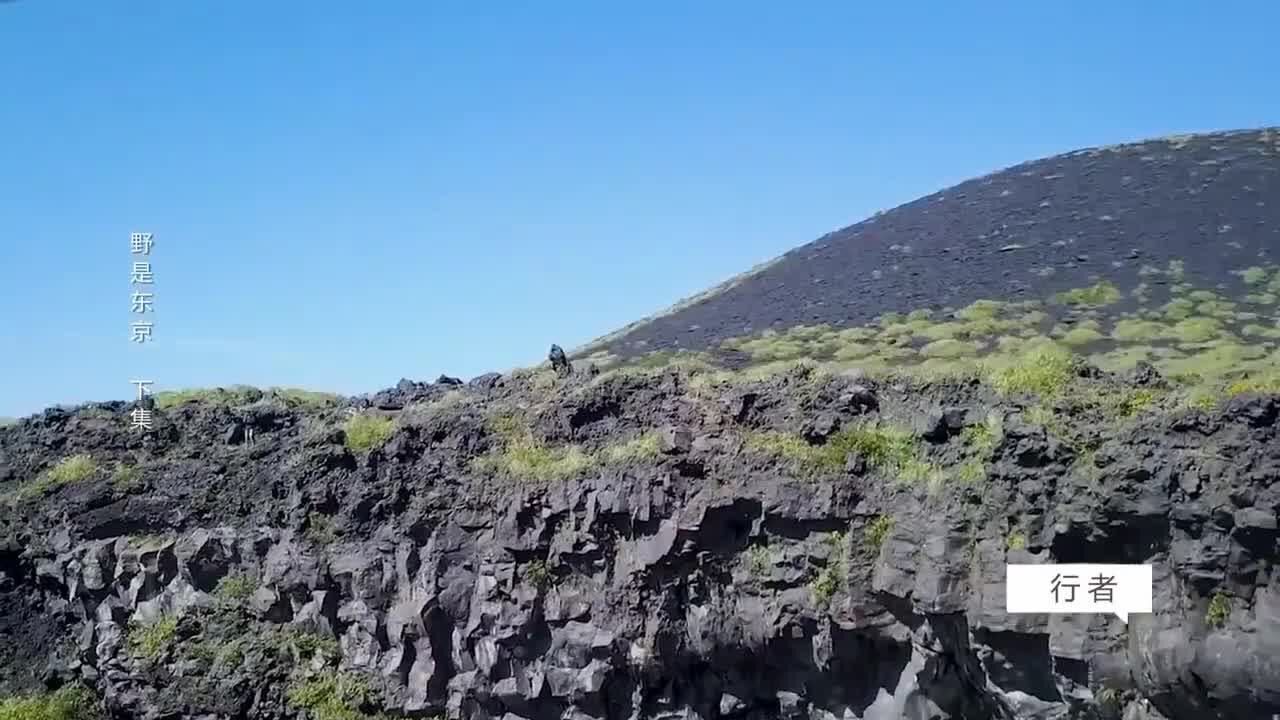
1097, 295
1044, 370
524, 456
126, 478
71, 702
833, 576
73, 469
1218, 612
366, 432
1265, 385
331, 695
536, 573
235, 588
877, 531
1130, 403
645, 447
151, 640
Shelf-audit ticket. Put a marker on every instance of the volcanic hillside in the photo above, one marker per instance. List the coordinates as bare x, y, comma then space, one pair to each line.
1162, 250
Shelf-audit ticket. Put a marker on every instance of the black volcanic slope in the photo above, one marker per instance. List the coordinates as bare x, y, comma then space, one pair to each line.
1182, 213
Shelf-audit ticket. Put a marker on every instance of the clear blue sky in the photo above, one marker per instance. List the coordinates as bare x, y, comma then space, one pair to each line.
344, 194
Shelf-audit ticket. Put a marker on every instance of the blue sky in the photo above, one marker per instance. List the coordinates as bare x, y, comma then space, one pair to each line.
344, 194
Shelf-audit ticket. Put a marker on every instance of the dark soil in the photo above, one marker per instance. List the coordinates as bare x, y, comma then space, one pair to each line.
1211, 201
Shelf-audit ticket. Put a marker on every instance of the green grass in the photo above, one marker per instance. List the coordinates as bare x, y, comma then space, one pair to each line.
234, 395
1047, 418
523, 456
367, 432
831, 579
243, 395
304, 645
1196, 329
759, 560
235, 588
982, 438
949, 348
331, 695
645, 447
72, 702
73, 469
305, 399
1264, 385
126, 478
877, 531
885, 447
1130, 402
228, 654
1218, 612
1110, 699
1082, 335
1044, 370
1129, 330
321, 529
1097, 295
1253, 276
971, 471
536, 573
151, 640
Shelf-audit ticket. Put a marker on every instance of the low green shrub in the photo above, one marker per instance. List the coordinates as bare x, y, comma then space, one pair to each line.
367, 432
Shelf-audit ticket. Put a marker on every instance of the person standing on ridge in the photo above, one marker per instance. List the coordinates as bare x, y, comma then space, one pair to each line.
559, 361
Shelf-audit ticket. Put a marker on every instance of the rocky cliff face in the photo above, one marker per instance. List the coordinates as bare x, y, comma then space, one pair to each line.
645, 545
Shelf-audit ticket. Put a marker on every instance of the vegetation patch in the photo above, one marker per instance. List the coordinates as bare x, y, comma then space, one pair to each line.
1262, 385
72, 702
1131, 402
892, 450
304, 644
294, 398
126, 478
949, 348
151, 640
982, 438
1218, 612
831, 579
1196, 329
1044, 370
226, 654
1135, 330
759, 560
645, 447
331, 695
73, 469
877, 531
235, 588
321, 529
524, 456
228, 396
1083, 334
366, 432
1097, 295
536, 573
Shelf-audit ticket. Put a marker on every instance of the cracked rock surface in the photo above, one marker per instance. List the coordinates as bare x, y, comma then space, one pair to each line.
678, 571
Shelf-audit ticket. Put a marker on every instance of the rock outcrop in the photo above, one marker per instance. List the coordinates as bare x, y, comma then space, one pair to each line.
643, 545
